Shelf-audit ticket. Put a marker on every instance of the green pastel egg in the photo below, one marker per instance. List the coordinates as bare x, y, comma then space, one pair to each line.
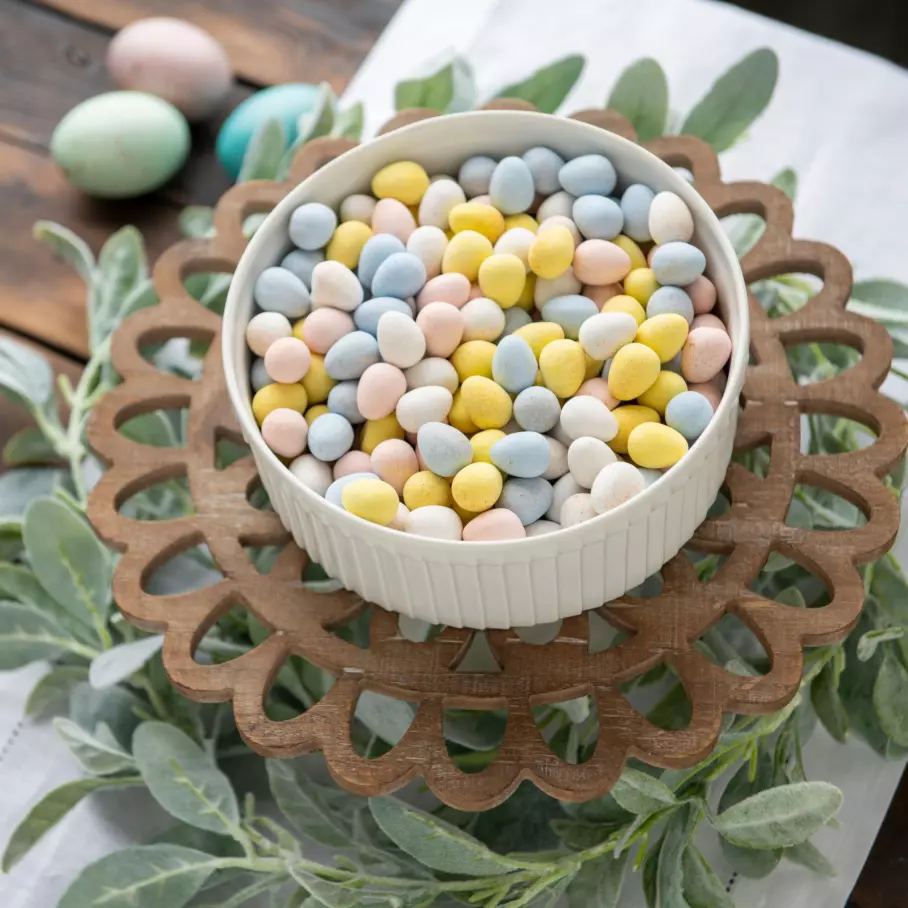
121, 144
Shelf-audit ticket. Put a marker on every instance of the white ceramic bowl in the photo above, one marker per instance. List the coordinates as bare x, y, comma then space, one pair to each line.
520, 582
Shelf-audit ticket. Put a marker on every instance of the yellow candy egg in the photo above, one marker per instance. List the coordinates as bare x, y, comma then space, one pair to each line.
487, 403
465, 253
275, 397
347, 243
459, 418
473, 358
482, 443
641, 284
371, 499
655, 447
313, 413
624, 303
484, 219
317, 381
552, 252
476, 487
665, 334
405, 181
425, 488
629, 417
464, 515
502, 278
528, 222
539, 334
297, 329
563, 367
635, 253
634, 369
375, 431
526, 298
666, 386
593, 366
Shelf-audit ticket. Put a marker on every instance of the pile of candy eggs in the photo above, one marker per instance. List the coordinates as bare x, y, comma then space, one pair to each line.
488, 356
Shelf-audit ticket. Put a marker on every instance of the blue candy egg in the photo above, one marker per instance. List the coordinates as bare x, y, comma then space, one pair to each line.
635, 205
544, 165
670, 300
280, 290
301, 263
514, 364
537, 409
689, 413
400, 275
529, 499
511, 189
333, 492
679, 264
259, 376
673, 365
312, 225
649, 476
375, 251
523, 454
515, 318
570, 312
368, 313
597, 217
590, 174
280, 102
444, 449
350, 356
342, 400
332, 439
475, 175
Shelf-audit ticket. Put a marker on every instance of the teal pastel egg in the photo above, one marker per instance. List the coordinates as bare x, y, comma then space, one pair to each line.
342, 400
311, 226
280, 290
598, 217
678, 264
444, 449
280, 102
367, 315
670, 300
635, 205
544, 165
400, 275
522, 454
332, 439
511, 189
529, 499
689, 413
570, 312
374, 252
121, 144
514, 364
350, 356
301, 264
590, 174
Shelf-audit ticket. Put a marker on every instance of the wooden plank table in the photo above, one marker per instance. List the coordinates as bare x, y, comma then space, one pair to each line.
52, 57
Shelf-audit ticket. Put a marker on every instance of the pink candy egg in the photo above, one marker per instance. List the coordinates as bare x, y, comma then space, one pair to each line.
391, 216
601, 295
287, 360
395, 462
598, 388
450, 288
475, 292
705, 352
708, 320
353, 462
380, 388
702, 293
494, 525
285, 431
324, 327
600, 262
442, 325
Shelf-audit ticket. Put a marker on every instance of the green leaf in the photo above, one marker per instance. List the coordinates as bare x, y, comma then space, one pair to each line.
74, 567
148, 876
884, 293
141, 296
264, 152
679, 831
26, 636
118, 663
96, 756
152, 428
598, 883
890, 700
547, 87
437, 844
701, 887
69, 247
28, 446
808, 855
197, 221
25, 376
641, 95
447, 87
121, 265
650, 870
385, 716
183, 779
867, 643
640, 793
780, 817
325, 893
349, 123
54, 688
50, 810
303, 802
319, 120
787, 181
520, 823
824, 695
735, 100
19, 488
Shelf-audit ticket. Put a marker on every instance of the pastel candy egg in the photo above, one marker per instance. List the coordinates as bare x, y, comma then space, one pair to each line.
488, 404
563, 367
465, 252
603, 334
650, 476
542, 528
350, 356
483, 319
514, 365
405, 181
635, 205
452, 288
634, 369
704, 354
559, 203
634, 252
347, 243
312, 225
424, 489
665, 334
511, 187
566, 284
428, 244
679, 264
559, 220
323, 328
258, 375
473, 358
590, 174
335, 491
537, 409
628, 418
670, 300
433, 370
523, 220
400, 520
526, 296
476, 487
709, 391
342, 400
391, 216
421, 405
335, 285
312, 472
641, 284
375, 431
501, 278
264, 329
444, 449
284, 431
435, 522
352, 462
316, 381
586, 457
478, 217
655, 446
279, 290
515, 318
475, 175
558, 464
400, 275
522, 454
380, 388
376, 249
544, 166
600, 262
597, 217
482, 442
370, 499
598, 388
301, 262
708, 320
577, 509
357, 207
562, 489
443, 328
287, 360
688, 413
570, 312
702, 293
586, 416
516, 241
670, 219
617, 483
667, 386
624, 303
314, 412
551, 252
367, 316
496, 525
437, 202
394, 461
330, 437
529, 499
400, 340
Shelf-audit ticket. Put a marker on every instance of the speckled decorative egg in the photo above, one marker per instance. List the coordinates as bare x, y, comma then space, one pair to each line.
173, 59
281, 102
121, 144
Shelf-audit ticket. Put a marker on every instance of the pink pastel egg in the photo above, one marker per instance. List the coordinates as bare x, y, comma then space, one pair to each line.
285, 431
287, 360
482, 199
353, 462
649, 256
702, 293
598, 388
475, 292
324, 327
708, 320
380, 388
709, 391
704, 353
601, 295
395, 462
442, 324
599, 262
450, 288
494, 525
391, 216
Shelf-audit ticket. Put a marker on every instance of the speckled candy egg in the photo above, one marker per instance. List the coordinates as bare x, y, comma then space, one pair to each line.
380, 388
496, 525
394, 461
442, 326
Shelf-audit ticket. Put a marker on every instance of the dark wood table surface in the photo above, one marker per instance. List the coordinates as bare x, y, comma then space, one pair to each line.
52, 57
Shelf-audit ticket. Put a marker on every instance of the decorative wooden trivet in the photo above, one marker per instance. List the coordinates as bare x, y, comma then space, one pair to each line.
662, 629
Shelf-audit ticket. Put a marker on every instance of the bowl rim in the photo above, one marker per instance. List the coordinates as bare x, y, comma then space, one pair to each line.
243, 279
